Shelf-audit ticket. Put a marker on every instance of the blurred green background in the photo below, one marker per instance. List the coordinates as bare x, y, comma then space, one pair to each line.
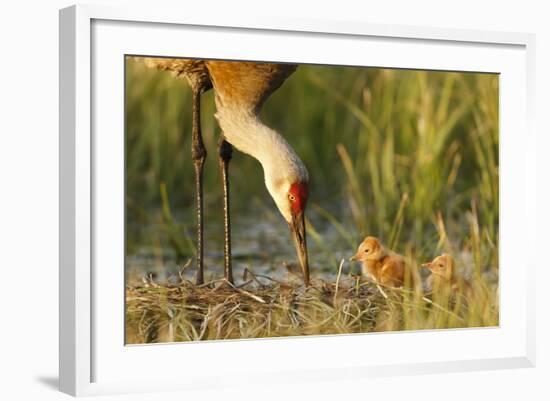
408, 156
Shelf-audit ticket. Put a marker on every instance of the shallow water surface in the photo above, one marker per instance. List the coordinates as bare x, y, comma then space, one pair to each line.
261, 244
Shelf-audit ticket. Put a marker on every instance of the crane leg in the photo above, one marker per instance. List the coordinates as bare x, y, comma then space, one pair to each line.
198, 154
225, 151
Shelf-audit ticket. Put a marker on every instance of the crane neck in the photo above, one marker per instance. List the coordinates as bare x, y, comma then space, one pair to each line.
244, 130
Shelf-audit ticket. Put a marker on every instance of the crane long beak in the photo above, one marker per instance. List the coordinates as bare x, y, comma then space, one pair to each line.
298, 230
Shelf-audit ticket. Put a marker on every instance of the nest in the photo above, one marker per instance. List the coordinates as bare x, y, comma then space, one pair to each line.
264, 307
260, 307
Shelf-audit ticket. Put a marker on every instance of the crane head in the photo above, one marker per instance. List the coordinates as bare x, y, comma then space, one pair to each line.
369, 249
297, 198
442, 265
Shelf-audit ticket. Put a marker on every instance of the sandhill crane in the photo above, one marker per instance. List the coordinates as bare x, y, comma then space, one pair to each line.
241, 88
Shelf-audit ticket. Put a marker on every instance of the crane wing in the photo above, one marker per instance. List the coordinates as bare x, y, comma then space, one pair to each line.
194, 70
237, 83
247, 84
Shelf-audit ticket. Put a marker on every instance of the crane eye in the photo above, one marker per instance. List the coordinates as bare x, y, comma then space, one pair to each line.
291, 197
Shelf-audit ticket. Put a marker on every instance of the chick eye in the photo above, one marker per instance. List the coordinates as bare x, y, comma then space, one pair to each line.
367, 250
291, 197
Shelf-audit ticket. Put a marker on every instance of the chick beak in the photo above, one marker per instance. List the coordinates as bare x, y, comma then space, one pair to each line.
354, 257
298, 230
426, 265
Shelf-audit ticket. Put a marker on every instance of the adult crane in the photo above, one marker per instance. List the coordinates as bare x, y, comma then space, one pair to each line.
241, 89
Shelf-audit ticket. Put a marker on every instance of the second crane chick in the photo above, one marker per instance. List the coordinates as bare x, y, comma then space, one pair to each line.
381, 266
443, 275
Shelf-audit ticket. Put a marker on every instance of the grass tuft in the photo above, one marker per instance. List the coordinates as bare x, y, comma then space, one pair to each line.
265, 308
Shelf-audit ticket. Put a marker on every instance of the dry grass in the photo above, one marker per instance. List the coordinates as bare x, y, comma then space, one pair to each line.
262, 307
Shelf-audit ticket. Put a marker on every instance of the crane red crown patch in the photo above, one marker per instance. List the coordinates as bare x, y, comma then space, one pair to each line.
299, 190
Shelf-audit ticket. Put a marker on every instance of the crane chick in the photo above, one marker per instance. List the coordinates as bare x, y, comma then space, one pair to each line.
443, 276
381, 266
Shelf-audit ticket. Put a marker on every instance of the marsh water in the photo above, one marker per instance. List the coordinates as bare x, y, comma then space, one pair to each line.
260, 243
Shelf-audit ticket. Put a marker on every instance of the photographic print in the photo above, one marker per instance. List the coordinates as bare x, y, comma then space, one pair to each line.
268, 199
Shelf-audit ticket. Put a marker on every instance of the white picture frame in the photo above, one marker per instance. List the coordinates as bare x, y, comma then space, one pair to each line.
92, 363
